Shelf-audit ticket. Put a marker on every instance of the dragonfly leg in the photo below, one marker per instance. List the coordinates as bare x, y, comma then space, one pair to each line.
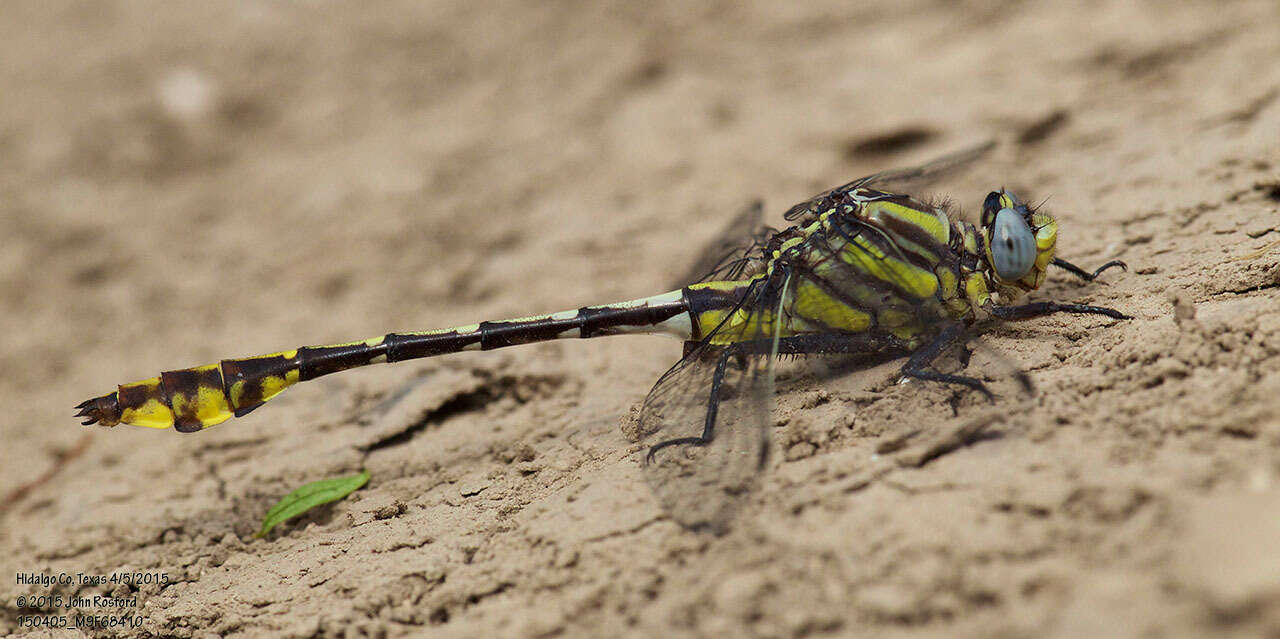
793, 345
1038, 309
1086, 275
917, 365
713, 406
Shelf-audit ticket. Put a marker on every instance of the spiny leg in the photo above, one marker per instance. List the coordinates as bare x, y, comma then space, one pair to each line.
1086, 275
1039, 309
793, 345
713, 406
917, 365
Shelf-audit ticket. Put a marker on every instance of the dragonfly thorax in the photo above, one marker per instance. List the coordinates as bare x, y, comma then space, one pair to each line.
871, 262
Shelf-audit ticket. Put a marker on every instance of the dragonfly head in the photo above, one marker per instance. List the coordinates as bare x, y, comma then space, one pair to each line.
1020, 242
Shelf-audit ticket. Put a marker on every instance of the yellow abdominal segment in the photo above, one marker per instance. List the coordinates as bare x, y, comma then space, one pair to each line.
153, 413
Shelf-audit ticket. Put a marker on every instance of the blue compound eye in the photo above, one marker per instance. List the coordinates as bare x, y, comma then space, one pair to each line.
1013, 246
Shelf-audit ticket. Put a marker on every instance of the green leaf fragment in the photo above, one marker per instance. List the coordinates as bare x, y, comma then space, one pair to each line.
309, 496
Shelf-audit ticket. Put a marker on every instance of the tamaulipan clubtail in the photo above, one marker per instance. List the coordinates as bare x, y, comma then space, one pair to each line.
862, 270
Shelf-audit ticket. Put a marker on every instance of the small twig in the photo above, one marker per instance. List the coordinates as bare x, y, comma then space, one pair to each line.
1256, 254
60, 461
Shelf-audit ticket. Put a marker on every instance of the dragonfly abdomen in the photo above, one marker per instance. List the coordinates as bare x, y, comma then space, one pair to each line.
193, 399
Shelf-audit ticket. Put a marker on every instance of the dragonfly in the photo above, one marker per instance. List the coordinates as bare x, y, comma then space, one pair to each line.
863, 269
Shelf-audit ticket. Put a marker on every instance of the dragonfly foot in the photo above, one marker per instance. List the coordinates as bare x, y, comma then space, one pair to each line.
934, 376
678, 441
1086, 275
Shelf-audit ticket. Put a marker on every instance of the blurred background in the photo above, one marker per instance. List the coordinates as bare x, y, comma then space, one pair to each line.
183, 182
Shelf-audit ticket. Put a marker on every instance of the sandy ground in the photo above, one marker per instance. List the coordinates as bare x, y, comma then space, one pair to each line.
182, 183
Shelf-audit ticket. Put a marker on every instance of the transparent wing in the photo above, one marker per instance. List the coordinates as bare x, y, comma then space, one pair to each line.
894, 180
705, 428
732, 250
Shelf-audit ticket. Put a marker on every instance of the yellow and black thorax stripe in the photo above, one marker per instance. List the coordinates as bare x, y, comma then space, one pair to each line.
872, 262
